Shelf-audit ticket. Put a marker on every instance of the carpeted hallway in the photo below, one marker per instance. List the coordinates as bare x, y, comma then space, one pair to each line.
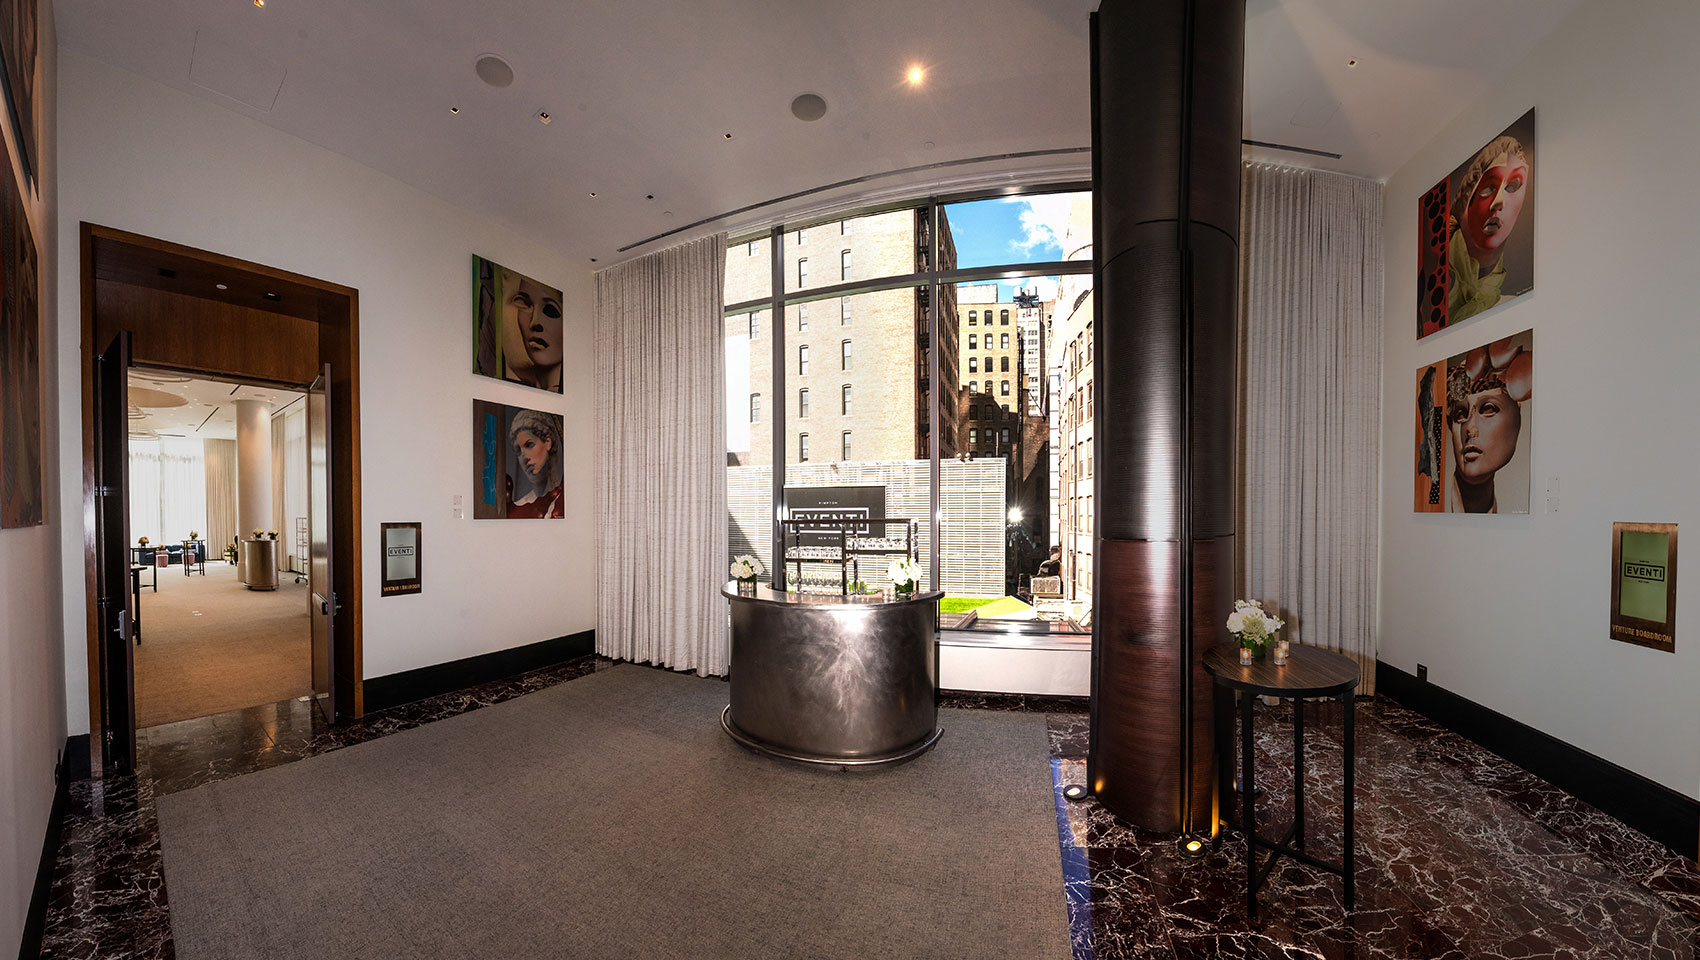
209, 644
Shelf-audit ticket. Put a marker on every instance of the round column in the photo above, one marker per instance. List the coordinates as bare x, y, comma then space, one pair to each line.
253, 467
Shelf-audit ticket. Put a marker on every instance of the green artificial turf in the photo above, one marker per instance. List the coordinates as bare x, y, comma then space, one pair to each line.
964, 604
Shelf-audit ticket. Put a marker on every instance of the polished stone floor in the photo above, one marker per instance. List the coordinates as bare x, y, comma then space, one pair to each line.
1460, 854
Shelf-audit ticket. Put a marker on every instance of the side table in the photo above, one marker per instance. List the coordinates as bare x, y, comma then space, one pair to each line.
1308, 673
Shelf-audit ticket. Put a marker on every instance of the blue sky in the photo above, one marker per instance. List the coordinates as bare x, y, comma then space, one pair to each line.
1012, 230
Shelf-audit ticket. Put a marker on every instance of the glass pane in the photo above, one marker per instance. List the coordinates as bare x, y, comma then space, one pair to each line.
1004, 501
1030, 229
875, 411
749, 485
861, 248
749, 270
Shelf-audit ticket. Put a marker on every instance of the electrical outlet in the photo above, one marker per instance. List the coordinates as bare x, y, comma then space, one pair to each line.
1422, 672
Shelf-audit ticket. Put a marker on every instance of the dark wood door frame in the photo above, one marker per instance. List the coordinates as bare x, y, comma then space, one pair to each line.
263, 325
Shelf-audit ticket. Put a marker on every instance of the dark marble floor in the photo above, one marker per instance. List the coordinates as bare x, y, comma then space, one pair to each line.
1460, 854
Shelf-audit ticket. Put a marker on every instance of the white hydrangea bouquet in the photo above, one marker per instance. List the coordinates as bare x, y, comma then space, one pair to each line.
905, 574
1252, 626
745, 569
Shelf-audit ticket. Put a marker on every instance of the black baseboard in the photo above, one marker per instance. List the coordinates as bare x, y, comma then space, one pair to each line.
76, 761
35, 921
410, 685
1652, 808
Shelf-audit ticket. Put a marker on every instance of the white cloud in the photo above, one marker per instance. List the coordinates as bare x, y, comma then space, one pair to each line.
1044, 221
1045, 286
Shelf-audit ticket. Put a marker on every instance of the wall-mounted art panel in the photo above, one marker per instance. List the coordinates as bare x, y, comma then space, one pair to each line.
21, 494
1474, 420
516, 326
18, 34
516, 456
1476, 232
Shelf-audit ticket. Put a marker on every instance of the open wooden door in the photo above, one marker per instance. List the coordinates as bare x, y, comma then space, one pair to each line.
320, 584
112, 554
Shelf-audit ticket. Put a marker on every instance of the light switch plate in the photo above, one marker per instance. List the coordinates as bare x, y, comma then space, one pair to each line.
459, 510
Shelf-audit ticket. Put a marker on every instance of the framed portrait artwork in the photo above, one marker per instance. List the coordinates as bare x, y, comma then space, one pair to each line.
401, 559
22, 494
516, 455
1474, 428
1476, 232
517, 326
1643, 584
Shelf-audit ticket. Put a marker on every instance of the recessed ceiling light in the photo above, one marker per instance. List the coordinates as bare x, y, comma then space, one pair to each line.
592, 259
493, 70
916, 75
727, 135
269, 295
259, 3
543, 117
455, 111
649, 196
222, 286
1351, 63
808, 107
593, 194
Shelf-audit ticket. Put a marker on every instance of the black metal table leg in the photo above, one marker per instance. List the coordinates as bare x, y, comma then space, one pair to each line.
1351, 800
1299, 772
1248, 814
1224, 705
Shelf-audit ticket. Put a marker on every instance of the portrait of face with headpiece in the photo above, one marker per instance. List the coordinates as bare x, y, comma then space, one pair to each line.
1488, 414
1476, 232
518, 455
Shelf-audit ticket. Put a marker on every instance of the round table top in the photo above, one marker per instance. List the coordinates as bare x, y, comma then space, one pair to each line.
766, 594
1308, 672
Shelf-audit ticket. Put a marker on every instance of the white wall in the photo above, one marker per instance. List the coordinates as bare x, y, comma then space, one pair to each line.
32, 707
142, 157
1512, 612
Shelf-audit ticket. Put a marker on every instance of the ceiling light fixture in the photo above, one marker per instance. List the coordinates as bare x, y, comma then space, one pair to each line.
222, 286
808, 107
269, 295
543, 117
493, 70
259, 3
916, 75
727, 135
455, 111
1351, 63
593, 194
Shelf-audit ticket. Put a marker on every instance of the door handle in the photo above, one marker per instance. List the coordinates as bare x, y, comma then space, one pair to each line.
328, 607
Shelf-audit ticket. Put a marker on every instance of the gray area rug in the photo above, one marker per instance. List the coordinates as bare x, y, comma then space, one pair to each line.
611, 817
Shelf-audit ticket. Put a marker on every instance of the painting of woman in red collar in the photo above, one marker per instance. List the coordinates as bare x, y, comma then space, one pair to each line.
1476, 232
1489, 411
517, 459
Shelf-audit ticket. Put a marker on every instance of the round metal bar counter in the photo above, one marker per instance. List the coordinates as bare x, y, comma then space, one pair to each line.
841, 681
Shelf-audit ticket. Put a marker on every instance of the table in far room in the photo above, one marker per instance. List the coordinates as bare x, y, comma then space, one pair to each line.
136, 597
1309, 672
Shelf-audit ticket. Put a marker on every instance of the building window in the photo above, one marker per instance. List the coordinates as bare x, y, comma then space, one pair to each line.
803, 272
973, 385
844, 401
803, 360
755, 326
1003, 364
802, 318
1088, 399
752, 249
1003, 436
989, 367
1003, 317
1003, 341
844, 265
844, 228
973, 411
803, 402
844, 355
802, 236
755, 408
843, 311
845, 453
973, 341
972, 314
803, 446
973, 364
1006, 411
973, 435
1003, 389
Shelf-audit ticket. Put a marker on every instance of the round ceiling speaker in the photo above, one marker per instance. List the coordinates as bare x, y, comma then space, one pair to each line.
808, 107
494, 70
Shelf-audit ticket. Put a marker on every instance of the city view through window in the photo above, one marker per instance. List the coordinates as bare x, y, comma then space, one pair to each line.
867, 322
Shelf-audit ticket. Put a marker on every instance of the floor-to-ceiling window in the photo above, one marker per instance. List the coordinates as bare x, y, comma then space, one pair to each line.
922, 376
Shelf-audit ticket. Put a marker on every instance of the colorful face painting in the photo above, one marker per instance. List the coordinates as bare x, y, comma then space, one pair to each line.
516, 455
517, 327
1474, 418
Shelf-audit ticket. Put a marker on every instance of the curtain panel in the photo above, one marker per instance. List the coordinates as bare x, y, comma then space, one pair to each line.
661, 459
1311, 283
221, 495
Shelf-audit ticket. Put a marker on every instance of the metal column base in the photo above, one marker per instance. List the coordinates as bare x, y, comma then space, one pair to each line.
887, 759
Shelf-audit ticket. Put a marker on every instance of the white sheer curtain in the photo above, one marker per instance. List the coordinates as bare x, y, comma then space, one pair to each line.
221, 495
168, 493
1311, 279
661, 459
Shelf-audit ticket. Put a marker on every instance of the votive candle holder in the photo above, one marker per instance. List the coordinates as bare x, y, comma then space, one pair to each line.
1280, 652
1245, 656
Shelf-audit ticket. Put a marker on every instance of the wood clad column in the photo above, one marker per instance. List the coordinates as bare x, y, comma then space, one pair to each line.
1166, 108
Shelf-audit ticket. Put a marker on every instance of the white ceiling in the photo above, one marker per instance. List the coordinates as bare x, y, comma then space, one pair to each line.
641, 91
165, 404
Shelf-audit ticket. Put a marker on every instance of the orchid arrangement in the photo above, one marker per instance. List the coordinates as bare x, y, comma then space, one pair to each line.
1252, 626
745, 567
904, 573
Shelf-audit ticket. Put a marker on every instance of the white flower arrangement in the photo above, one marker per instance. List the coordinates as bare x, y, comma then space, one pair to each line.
904, 573
1252, 626
745, 567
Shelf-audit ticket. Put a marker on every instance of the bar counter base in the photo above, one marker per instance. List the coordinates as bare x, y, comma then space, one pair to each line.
890, 759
